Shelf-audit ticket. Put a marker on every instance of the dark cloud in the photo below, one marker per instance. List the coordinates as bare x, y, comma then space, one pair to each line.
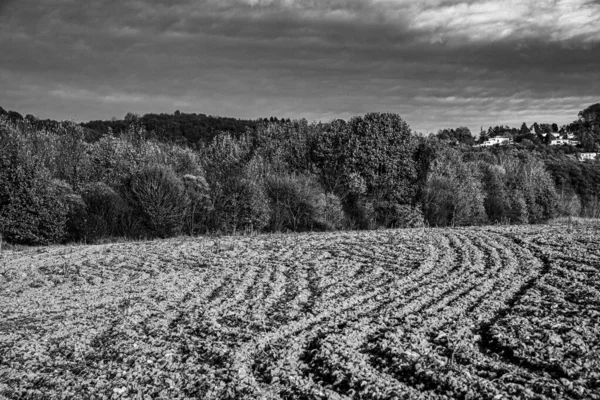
437, 62
4, 5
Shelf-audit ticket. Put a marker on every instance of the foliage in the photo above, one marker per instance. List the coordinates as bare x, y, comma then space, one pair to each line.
298, 204
198, 192
530, 177
31, 208
105, 212
453, 193
459, 135
185, 128
240, 205
160, 198
372, 166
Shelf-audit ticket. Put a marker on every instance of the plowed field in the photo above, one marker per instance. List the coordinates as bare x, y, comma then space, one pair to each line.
478, 313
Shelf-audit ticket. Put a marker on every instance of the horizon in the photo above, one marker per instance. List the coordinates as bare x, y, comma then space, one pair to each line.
438, 64
475, 134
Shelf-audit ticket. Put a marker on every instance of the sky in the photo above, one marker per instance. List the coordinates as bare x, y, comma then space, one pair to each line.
436, 63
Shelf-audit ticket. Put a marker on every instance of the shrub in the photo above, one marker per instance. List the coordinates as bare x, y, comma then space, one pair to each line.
359, 211
518, 211
530, 177
298, 203
198, 193
497, 202
240, 204
31, 210
159, 197
76, 211
104, 211
329, 212
394, 215
453, 193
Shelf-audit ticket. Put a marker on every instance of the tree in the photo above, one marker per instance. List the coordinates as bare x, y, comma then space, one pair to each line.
591, 115
299, 203
524, 129
459, 135
453, 192
497, 203
160, 197
31, 206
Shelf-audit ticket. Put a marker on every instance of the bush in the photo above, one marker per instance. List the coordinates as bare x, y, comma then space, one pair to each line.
329, 212
298, 203
497, 202
104, 212
394, 215
240, 205
518, 211
76, 210
569, 204
453, 193
31, 210
160, 199
360, 212
198, 193
530, 177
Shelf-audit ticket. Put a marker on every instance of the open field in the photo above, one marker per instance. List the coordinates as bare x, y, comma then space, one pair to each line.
481, 313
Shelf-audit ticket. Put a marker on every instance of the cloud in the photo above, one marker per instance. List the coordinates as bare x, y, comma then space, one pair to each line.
437, 62
4, 5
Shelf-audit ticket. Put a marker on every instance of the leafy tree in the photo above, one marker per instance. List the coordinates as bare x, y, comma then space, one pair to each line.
104, 213
591, 115
160, 197
198, 193
453, 193
31, 206
524, 129
497, 201
459, 135
298, 203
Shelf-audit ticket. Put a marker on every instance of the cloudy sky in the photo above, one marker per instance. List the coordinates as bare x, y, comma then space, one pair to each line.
437, 63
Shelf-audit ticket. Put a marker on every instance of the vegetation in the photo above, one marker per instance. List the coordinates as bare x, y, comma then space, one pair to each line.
156, 176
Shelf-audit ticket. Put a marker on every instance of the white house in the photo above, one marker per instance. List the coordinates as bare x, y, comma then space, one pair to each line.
562, 142
587, 156
554, 134
499, 140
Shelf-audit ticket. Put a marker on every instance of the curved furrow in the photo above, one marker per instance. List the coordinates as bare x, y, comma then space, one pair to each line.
336, 312
440, 324
412, 304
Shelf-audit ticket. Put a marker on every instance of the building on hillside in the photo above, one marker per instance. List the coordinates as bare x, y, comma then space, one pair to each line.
493, 141
587, 156
555, 135
564, 142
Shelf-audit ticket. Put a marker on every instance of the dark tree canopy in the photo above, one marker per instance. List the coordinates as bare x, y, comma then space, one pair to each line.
591, 115
190, 129
458, 135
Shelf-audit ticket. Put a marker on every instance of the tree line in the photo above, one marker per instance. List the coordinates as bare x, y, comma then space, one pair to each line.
57, 184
